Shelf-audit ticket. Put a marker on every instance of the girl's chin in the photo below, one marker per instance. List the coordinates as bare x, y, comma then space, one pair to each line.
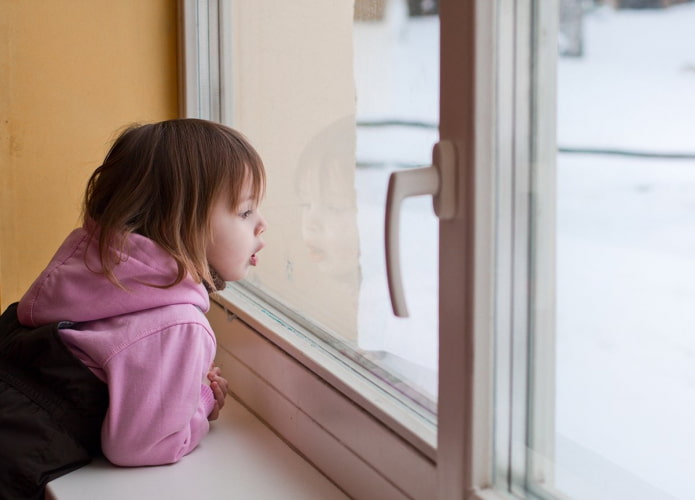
234, 276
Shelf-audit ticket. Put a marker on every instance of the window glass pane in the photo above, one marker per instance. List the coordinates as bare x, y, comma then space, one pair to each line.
623, 366
337, 95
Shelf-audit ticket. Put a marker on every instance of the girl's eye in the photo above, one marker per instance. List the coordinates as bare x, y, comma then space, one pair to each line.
246, 214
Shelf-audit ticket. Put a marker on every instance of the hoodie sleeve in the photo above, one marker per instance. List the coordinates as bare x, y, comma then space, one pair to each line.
158, 405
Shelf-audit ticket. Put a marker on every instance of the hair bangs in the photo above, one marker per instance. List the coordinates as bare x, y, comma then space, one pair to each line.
241, 165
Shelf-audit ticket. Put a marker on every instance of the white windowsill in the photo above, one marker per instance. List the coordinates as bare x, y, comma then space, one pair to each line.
357, 383
348, 444
239, 458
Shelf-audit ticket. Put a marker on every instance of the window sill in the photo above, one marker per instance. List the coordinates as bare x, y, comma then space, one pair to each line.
333, 416
240, 457
417, 427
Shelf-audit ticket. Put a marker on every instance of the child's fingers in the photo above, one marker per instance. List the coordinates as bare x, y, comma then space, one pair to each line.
219, 393
219, 379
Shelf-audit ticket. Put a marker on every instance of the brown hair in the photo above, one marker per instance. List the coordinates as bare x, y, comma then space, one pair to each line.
160, 180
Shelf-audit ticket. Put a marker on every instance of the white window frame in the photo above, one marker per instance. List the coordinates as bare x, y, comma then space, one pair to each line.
349, 429
524, 243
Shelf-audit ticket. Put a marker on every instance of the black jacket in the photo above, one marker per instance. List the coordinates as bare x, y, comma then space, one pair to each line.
51, 409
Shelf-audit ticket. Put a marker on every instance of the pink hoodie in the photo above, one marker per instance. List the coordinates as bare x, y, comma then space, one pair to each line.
152, 346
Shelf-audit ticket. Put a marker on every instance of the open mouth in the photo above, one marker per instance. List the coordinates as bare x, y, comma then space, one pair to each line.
254, 258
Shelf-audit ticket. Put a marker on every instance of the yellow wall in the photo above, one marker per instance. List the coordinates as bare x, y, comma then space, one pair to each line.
72, 73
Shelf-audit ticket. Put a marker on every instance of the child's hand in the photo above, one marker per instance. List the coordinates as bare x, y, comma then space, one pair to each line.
219, 386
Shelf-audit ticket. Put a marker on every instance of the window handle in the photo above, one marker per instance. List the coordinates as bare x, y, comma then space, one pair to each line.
438, 180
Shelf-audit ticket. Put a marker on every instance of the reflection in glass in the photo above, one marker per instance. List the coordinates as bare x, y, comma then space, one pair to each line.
325, 183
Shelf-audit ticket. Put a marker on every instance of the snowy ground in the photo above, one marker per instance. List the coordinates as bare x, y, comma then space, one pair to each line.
625, 414
626, 257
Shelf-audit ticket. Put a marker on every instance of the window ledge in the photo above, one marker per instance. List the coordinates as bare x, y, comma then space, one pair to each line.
240, 457
418, 427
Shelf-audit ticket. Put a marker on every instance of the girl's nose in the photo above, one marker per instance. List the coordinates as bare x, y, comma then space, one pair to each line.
262, 226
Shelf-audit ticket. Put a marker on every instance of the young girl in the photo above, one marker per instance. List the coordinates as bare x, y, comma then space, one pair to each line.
170, 215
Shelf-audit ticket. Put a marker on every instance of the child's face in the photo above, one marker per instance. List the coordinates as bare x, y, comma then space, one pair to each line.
236, 235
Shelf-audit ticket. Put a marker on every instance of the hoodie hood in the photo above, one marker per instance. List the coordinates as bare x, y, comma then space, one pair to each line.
71, 288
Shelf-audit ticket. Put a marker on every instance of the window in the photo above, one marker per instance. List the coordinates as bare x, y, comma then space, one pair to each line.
277, 357
564, 353
595, 218
337, 97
